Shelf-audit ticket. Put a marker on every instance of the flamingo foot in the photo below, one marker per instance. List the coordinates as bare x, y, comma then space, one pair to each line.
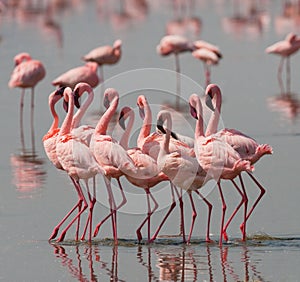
54, 234
139, 235
61, 237
209, 241
225, 236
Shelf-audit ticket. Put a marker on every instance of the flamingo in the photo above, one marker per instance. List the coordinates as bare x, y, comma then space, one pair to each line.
148, 174
26, 74
175, 44
244, 145
182, 169
209, 54
86, 73
285, 48
75, 157
111, 156
218, 159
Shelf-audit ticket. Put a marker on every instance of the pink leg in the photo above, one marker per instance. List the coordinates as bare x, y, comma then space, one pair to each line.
32, 121
194, 215
167, 215
124, 201
85, 205
78, 204
223, 212
245, 207
234, 212
182, 227
150, 212
21, 120
262, 192
209, 205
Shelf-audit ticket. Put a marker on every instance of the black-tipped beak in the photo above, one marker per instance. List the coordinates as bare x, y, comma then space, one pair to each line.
60, 91
106, 102
208, 102
142, 113
122, 120
76, 98
160, 127
193, 112
66, 105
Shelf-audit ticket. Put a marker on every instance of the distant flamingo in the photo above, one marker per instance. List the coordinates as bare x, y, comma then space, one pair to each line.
26, 74
111, 156
86, 73
75, 157
174, 44
285, 48
148, 174
216, 157
105, 55
182, 169
245, 146
209, 54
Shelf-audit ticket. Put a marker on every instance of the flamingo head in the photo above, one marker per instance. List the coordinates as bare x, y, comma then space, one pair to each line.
160, 125
123, 116
211, 91
109, 95
141, 101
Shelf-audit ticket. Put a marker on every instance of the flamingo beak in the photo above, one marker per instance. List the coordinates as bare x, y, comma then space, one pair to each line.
160, 127
106, 102
76, 98
208, 101
122, 120
65, 105
193, 112
60, 91
142, 113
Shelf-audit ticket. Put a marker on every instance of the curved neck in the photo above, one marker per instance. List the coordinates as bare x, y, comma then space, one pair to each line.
212, 126
146, 127
78, 116
66, 125
52, 103
166, 143
125, 137
199, 123
103, 122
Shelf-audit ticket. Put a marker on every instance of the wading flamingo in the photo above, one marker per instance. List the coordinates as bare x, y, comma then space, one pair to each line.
111, 156
244, 145
182, 169
175, 44
285, 48
26, 74
209, 54
75, 157
86, 73
148, 174
215, 156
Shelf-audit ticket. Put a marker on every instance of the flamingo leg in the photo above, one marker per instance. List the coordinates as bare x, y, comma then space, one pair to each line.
32, 121
182, 227
78, 204
194, 215
124, 201
173, 205
262, 192
209, 205
279, 74
21, 120
224, 232
178, 80
85, 205
207, 74
288, 75
101, 76
245, 207
223, 212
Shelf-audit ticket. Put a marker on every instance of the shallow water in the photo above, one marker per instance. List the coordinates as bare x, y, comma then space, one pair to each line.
35, 196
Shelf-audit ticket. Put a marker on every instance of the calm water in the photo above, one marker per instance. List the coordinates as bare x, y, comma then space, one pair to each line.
35, 196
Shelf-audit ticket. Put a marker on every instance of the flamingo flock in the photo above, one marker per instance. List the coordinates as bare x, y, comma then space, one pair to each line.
84, 152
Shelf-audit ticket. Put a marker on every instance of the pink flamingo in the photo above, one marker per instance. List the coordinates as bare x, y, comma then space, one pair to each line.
245, 146
75, 157
86, 73
174, 44
148, 174
111, 156
182, 169
218, 159
209, 54
26, 74
285, 48
149, 143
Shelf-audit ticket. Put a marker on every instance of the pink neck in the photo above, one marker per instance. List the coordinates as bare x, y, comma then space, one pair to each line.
66, 125
78, 116
125, 137
146, 127
52, 103
165, 116
199, 123
102, 125
212, 126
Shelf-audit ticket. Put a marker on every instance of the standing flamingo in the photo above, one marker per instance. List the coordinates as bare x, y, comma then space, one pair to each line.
148, 174
86, 73
216, 157
111, 156
244, 145
285, 48
182, 169
175, 44
209, 54
26, 74
105, 55
75, 156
